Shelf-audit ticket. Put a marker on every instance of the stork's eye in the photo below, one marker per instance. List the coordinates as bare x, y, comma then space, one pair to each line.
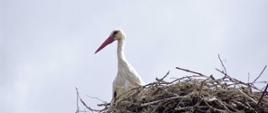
115, 32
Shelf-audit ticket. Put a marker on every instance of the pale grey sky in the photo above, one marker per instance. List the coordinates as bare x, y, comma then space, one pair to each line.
47, 46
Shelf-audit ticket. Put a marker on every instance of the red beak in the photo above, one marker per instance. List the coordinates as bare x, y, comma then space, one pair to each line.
108, 41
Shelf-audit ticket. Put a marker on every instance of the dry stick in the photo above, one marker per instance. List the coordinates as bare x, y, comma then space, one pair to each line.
224, 72
230, 78
265, 90
156, 82
178, 79
224, 68
248, 97
164, 100
260, 74
261, 82
89, 108
187, 70
248, 77
77, 99
104, 104
214, 80
97, 99
235, 80
159, 104
161, 79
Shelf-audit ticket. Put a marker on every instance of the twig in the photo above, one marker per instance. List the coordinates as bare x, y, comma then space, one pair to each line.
248, 77
104, 104
224, 68
83, 102
178, 79
187, 70
89, 108
163, 100
235, 80
260, 74
245, 95
96, 99
77, 99
159, 104
161, 79
265, 90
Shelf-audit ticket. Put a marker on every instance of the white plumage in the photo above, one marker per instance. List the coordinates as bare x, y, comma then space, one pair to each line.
127, 77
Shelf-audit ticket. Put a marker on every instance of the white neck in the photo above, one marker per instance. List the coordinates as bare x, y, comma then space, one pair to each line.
120, 52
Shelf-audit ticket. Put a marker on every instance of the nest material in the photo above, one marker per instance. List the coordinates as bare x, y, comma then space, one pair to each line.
197, 93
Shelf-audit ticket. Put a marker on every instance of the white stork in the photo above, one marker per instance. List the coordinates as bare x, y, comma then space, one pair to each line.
127, 77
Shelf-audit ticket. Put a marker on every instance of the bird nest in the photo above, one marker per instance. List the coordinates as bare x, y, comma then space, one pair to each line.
196, 93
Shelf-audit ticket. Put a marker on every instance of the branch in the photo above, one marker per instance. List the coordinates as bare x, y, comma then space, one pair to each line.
164, 100
224, 68
161, 79
235, 80
89, 108
260, 74
83, 102
96, 99
191, 71
265, 90
77, 99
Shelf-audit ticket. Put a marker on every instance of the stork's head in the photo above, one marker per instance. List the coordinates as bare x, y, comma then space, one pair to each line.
115, 35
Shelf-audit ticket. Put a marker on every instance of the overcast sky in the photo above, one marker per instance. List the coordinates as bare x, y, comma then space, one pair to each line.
47, 46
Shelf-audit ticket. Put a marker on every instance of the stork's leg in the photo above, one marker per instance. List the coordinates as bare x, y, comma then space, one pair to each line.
114, 94
114, 97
